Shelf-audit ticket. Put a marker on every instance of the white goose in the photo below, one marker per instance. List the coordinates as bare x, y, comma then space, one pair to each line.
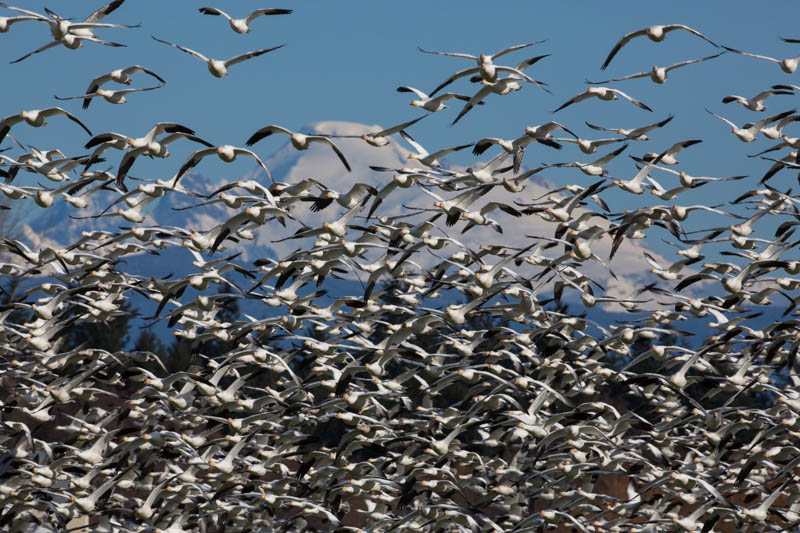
112, 97
379, 138
748, 132
226, 153
36, 118
217, 67
485, 65
7, 22
657, 74
603, 93
756, 103
428, 103
242, 25
299, 140
121, 75
655, 33
422, 155
788, 65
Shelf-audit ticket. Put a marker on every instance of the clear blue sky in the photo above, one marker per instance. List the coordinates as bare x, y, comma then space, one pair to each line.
343, 61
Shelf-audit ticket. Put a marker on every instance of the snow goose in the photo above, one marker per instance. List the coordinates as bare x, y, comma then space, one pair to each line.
120, 76
595, 168
217, 67
486, 67
603, 93
70, 41
635, 134
226, 152
517, 146
36, 118
379, 138
667, 157
422, 155
756, 103
502, 87
112, 97
654, 33
788, 65
747, 133
429, 103
61, 27
590, 146
7, 22
242, 25
153, 148
657, 74
299, 140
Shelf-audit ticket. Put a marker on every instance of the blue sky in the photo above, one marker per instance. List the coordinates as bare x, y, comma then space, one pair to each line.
343, 62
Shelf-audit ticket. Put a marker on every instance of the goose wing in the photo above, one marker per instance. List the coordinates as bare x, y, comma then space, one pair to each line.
267, 11
319, 138
622, 42
266, 131
248, 55
189, 51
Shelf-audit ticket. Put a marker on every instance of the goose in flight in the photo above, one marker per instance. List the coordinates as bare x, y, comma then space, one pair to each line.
657, 74
36, 118
422, 155
590, 146
788, 65
595, 168
299, 140
747, 133
635, 134
112, 97
379, 138
120, 76
502, 87
655, 34
486, 67
603, 93
71, 41
756, 103
61, 27
429, 103
217, 67
153, 148
667, 157
243, 25
517, 146
225, 152
7, 22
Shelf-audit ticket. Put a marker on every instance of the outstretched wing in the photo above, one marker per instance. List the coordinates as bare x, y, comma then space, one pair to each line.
319, 138
248, 55
266, 131
622, 42
189, 51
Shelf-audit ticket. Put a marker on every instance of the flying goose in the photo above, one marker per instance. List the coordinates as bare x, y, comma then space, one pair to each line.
657, 74
242, 25
120, 76
654, 33
217, 67
299, 140
603, 93
37, 118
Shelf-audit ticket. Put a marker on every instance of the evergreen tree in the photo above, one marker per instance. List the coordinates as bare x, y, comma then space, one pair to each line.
111, 335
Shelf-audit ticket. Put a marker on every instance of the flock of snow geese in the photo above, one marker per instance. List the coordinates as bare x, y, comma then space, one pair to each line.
459, 387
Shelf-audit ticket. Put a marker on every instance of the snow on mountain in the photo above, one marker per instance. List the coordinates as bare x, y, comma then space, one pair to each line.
61, 223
